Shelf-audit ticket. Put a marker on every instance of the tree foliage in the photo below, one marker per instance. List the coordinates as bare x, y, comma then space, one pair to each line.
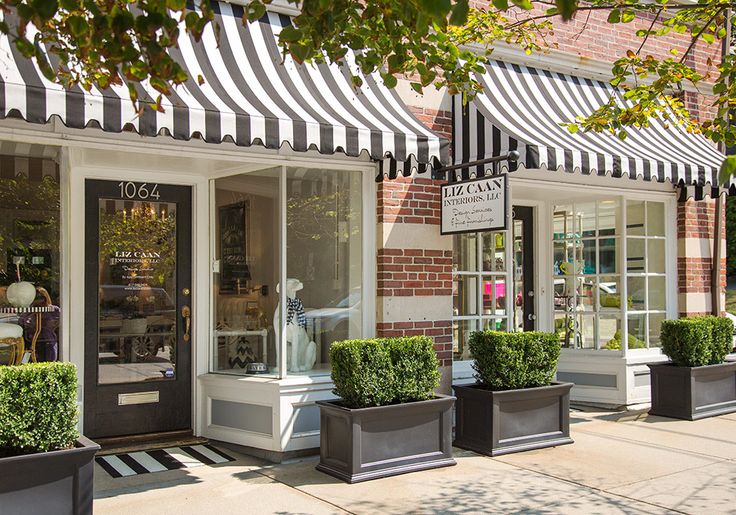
440, 43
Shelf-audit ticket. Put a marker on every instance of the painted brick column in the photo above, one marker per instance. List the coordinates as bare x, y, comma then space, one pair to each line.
695, 228
414, 267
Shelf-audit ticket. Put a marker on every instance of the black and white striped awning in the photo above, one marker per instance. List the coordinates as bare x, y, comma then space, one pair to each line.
249, 96
521, 109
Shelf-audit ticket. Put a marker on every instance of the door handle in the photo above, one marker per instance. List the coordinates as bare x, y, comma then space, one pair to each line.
186, 314
532, 316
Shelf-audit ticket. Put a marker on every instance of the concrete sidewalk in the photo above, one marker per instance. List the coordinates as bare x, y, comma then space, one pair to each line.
620, 463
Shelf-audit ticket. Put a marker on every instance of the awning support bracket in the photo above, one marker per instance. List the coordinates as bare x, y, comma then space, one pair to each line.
441, 173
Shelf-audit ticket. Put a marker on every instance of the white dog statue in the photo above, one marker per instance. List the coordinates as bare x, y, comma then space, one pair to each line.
301, 354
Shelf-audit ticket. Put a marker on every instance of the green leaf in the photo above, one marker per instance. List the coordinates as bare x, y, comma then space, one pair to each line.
460, 13
501, 5
628, 15
614, 16
708, 38
45, 8
524, 4
436, 8
389, 80
290, 34
77, 25
176, 5
728, 169
567, 8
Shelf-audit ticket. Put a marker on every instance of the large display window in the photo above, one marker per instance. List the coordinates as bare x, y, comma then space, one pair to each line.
609, 275
608, 265
293, 225
30, 259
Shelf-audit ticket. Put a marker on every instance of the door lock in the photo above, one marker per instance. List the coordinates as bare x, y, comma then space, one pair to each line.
530, 293
186, 314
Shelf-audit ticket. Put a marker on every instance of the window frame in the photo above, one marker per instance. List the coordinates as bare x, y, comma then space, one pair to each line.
368, 257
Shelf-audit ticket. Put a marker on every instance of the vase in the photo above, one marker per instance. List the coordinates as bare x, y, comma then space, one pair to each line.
21, 294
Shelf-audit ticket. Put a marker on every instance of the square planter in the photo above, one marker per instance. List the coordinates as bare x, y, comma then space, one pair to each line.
692, 393
49, 482
501, 422
369, 443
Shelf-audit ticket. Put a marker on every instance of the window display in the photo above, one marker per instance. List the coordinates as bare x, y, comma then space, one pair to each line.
30, 208
324, 269
324, 250
587, 247
246, 272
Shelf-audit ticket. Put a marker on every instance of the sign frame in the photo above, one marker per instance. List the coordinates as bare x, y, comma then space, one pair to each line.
503, 227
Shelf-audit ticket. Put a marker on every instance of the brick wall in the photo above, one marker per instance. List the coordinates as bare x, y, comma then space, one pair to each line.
411, 272
414, 263
695, 231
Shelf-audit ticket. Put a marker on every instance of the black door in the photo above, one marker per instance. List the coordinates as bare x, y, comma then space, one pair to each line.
525, 318
137, 365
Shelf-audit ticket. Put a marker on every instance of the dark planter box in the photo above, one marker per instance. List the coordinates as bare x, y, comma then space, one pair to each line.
59, 482
501, 422
692, 393
369, 443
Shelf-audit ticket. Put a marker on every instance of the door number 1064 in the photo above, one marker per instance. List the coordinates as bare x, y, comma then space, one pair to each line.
141, 191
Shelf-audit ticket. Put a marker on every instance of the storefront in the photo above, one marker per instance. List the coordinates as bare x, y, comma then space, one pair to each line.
593, 219
203, 259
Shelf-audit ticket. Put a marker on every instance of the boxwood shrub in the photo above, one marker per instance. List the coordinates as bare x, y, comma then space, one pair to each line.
384, 371
697, 341
509, 361
38, 408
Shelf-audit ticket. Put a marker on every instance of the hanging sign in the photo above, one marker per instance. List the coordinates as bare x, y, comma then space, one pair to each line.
475, 205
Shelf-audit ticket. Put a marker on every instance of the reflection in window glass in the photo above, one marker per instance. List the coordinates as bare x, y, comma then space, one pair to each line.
247, 247
465, 298
589, 265
635, 218
494, 252
655, 329
637, 293
587, 283
465, 256
585, 219
609, 327
608, 255
562, 220
325, 255
494, 295
479, 286
137, 318
655, 219
655, 256
461, 330
30, 207
637, 331
609, 289
609, 212
635, 254
657, 293
586, 332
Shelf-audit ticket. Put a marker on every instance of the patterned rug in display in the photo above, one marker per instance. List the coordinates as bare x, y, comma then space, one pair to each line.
159, 460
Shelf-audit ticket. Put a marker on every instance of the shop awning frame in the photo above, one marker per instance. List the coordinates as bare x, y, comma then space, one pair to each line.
522, 109
251, 95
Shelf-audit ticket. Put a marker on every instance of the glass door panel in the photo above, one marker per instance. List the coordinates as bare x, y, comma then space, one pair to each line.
137, 288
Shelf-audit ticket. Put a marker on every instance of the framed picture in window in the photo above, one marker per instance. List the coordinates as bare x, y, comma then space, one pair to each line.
234, 267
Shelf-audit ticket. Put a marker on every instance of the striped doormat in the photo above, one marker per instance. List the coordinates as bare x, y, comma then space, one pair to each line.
170, 458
